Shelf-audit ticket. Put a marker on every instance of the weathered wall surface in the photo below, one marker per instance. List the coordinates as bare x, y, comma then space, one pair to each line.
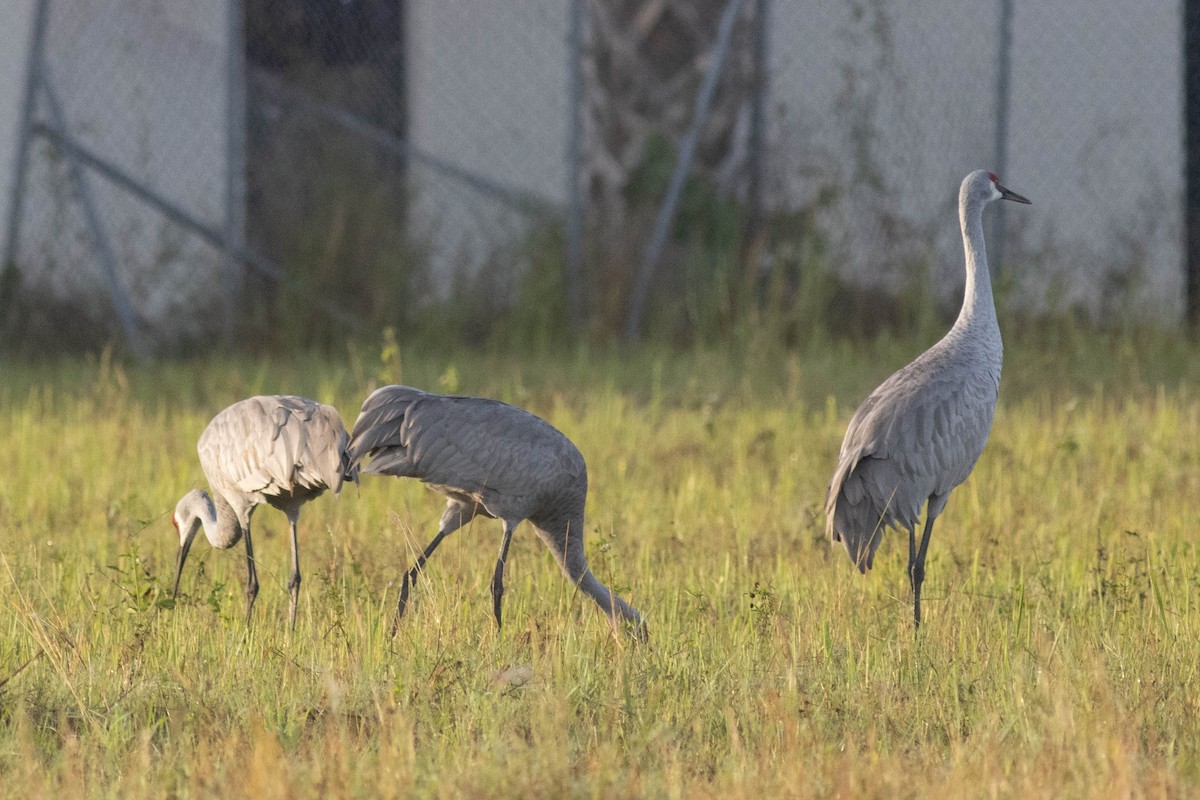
876, 111
142, 85
891, 105
883, 107
488, 93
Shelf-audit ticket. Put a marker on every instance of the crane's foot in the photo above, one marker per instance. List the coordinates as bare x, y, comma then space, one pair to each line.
251, 596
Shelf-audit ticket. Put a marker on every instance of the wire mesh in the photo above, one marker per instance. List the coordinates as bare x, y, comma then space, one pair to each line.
403, 152
1097, 136
396, 156
879, 110
141, 86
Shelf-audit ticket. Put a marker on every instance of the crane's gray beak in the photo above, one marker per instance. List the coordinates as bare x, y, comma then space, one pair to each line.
184, 547
1008, 194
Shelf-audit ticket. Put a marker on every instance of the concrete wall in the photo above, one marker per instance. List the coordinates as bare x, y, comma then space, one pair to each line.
142, 83
881, 107
488, 92
892, 107
884, 107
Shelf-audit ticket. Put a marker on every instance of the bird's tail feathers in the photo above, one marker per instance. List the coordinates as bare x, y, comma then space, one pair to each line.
851, 520
349, 471
389, 461
379, 423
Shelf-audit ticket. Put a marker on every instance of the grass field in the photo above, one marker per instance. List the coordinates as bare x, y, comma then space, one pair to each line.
1060, 655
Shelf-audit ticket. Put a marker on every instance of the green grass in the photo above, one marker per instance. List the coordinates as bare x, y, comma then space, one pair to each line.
1058, 658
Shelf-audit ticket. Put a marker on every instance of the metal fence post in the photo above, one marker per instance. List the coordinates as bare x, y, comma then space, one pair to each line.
758, 117
235, 160
91, 214
683, 165
1003, 99
25, 134
574, 232
1191, 106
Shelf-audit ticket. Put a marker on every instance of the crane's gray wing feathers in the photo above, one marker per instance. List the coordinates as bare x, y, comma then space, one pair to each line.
379, 431
915, 438
275, 445
505, 456
321, 440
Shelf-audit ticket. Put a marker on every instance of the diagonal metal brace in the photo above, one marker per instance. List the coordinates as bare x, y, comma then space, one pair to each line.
104, 250
683, 165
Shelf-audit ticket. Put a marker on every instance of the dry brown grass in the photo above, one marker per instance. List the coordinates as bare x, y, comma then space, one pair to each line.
1059, 656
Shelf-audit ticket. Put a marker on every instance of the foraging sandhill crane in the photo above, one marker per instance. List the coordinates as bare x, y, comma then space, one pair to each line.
489, 459
279, 450
920, 433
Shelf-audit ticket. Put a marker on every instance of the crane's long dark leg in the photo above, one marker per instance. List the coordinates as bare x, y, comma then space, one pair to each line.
454, 517
251, 573
498, 576
912, 563
916, 565
294, 583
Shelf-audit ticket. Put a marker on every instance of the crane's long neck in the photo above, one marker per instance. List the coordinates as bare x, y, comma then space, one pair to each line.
567, 547
978, 305
220, 521
610, 602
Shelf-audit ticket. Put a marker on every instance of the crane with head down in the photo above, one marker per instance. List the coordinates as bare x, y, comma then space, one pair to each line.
489, 459
279, 450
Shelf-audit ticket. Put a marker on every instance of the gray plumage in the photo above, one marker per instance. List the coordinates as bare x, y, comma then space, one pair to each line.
491, 459
279, 450
920, 433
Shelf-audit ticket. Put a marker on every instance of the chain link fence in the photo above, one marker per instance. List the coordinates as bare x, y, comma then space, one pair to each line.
1097, 133
124, 89
305, 170
884, 109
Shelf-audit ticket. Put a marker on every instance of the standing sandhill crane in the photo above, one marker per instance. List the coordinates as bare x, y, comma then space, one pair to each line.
920, 433
280, 450
492, 459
